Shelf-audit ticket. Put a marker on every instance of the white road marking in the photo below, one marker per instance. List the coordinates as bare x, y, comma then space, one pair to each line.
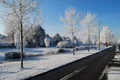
73, 73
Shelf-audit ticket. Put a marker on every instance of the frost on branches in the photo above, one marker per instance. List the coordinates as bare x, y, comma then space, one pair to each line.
89, 26
70, 21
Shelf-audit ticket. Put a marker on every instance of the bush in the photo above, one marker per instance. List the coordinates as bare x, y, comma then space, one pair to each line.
77, 48
49, 52
57, 38
13, 55
64, 44
62, 51
6, 45
33, 55
80, 48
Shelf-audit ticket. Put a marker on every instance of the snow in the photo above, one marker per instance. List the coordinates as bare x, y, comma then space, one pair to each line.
35, 65
114, 73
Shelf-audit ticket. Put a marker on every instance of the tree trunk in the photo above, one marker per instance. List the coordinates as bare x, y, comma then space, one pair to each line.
73, 43
88, 39
13, 39
99, 39
21, 31
89, 42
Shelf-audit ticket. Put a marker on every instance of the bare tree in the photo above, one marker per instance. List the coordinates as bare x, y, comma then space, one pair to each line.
70, 20
24, 12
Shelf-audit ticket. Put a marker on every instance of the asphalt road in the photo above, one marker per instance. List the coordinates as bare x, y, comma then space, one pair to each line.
88, 68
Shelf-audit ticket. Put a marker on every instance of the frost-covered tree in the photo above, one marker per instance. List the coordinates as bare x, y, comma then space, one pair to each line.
10, 23
17, 40
89, 28
2, 36
76, 41
47, 41
39, 35
70, 20
10, 26
106, 35
57, 38
118, 42
29, 38
23, 12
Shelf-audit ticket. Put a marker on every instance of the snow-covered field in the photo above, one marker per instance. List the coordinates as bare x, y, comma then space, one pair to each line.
36, 65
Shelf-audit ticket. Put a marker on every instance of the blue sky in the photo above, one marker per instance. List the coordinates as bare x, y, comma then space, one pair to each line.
108, 12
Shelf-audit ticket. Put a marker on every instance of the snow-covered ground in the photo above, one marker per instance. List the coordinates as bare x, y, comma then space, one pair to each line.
36, 65
114, 72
